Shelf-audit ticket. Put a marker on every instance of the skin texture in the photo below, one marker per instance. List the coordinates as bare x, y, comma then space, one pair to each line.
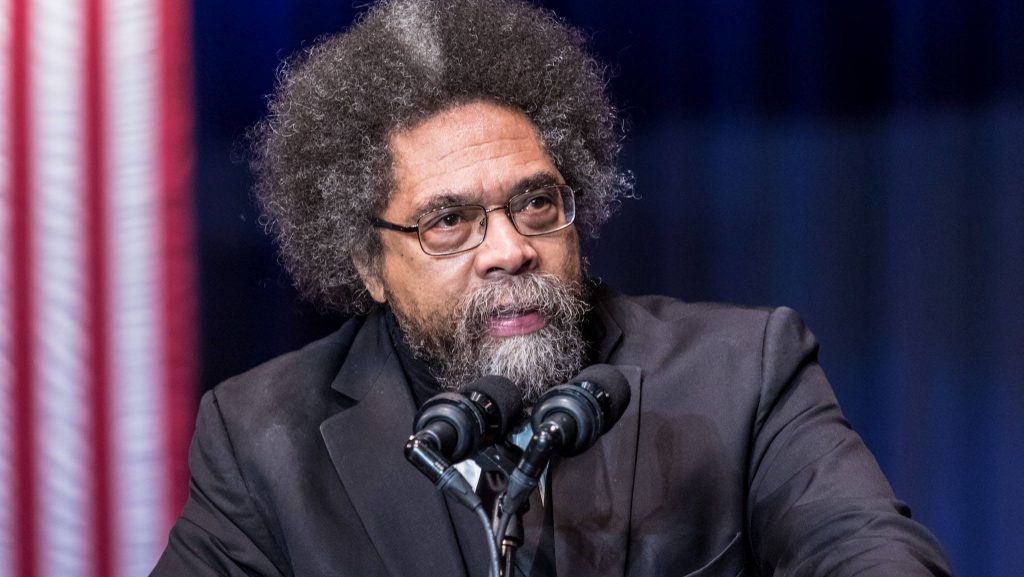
477, 153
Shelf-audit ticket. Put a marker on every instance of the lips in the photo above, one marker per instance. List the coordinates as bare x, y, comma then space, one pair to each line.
516, 323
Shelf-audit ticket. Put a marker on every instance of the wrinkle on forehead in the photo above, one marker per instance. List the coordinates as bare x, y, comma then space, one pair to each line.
444, 154
446, 198
490, 142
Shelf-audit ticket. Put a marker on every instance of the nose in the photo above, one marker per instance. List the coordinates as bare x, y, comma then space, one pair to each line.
504, 250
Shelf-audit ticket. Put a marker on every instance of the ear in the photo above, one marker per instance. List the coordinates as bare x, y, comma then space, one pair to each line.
371, 279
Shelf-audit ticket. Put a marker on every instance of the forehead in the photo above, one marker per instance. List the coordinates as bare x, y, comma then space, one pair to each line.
477, 152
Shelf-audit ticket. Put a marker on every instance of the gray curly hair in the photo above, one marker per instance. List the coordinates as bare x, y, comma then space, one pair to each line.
321, 156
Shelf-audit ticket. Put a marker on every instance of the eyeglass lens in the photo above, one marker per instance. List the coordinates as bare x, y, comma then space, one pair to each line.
458, 228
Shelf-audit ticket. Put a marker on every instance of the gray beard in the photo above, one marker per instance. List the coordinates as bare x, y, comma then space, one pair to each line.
459, 349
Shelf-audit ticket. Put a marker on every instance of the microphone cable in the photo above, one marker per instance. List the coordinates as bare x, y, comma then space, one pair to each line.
492, 547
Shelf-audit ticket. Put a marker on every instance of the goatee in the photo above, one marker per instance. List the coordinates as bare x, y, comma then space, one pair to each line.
460, 348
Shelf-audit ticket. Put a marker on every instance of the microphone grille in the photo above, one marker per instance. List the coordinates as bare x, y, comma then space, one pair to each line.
504, 393
615, 386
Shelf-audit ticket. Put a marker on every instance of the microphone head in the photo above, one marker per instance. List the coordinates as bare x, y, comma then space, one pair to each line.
501, 401
611, 389
593, 401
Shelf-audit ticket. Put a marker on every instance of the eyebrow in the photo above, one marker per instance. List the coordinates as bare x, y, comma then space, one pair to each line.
534, 181
440, 201
449, 198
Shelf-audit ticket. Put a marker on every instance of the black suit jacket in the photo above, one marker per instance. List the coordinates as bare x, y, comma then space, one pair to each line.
732, 458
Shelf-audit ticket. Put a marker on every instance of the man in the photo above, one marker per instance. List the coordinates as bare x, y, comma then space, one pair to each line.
432, 171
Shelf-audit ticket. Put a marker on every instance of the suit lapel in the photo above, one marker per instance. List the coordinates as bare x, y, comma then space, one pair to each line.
592, 494
403, 514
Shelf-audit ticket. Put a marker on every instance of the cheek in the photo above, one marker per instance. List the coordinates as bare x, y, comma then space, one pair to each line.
562, 256
398, 269
403, 259
415, 277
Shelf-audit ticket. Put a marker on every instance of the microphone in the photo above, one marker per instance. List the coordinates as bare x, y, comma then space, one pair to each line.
568, 419
452, 426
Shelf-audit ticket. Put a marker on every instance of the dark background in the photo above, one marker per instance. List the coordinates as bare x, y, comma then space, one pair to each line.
858, 161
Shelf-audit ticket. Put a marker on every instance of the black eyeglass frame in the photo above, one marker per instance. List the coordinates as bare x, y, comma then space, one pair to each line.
571, 196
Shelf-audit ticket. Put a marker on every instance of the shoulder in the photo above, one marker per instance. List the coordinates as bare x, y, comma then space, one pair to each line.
654, 318
712, 348
663, 309
291, 390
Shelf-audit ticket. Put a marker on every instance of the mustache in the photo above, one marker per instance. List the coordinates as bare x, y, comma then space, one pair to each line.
540, 292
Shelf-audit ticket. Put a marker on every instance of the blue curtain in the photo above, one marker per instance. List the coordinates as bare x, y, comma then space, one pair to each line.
862, 162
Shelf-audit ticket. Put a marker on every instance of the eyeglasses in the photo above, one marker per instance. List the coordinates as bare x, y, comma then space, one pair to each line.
455, 229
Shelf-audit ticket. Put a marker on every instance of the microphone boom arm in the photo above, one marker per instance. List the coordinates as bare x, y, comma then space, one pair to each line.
546, 440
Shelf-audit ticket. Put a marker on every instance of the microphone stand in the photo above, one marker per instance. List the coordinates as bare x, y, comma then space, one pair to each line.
511, 536
501, 458
522, 482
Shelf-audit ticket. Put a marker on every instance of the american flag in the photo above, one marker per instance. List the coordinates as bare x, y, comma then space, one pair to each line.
97, 283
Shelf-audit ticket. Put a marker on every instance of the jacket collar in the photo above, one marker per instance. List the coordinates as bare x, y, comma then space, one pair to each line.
611, 330
402, 512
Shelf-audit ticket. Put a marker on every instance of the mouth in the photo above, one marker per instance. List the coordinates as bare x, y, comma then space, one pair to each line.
516, 323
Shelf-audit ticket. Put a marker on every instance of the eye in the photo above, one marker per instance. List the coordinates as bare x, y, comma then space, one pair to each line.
535, 201
447, 218
451, 229
450, 219
538, 202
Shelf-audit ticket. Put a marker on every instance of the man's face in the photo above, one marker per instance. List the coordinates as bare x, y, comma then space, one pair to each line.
514, 303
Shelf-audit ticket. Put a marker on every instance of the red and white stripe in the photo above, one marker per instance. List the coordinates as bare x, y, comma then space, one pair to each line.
97, 283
